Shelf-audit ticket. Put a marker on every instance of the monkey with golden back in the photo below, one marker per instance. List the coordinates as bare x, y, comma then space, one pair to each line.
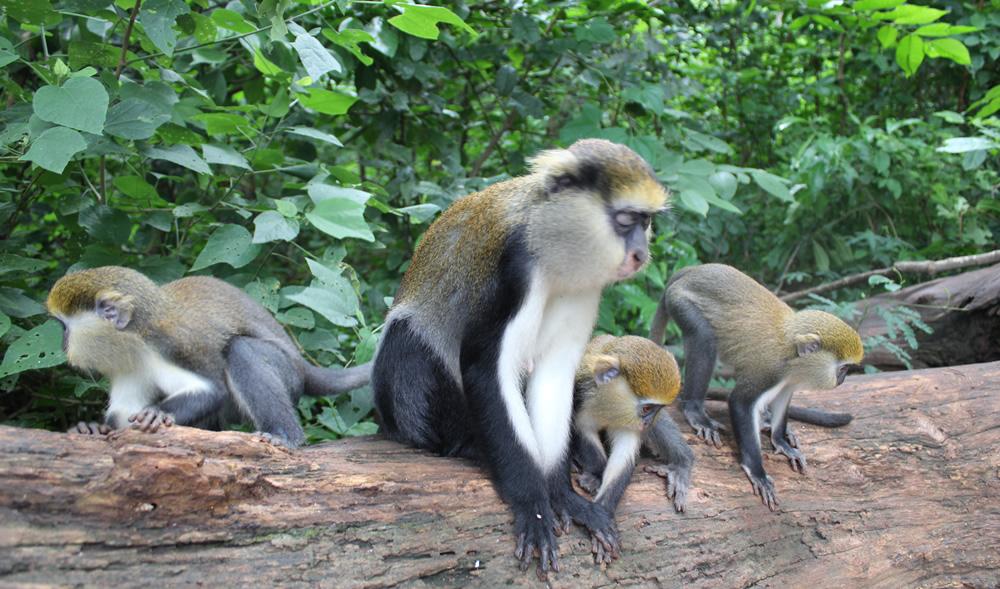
622, 386
772, 349
196, 351
484, 337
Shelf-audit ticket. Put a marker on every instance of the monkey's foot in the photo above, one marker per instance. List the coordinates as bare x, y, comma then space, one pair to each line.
90, 428
151, 419
588, 482
678, 483
793, 440
600, 523
274, 440
763, 487
704, 426
795, 457
534, 531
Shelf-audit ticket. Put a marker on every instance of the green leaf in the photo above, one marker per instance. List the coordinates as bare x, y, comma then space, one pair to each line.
297, 317
137, 188
273, 226
8, 54
911, 14
821, 257
341, 218
224, 155
159, 97
229, 244
315, 58
321, 192
596, 30
35, 12
950, 116
772, 184
798, 23
287, 208
421, 213
700, 141
264, 65
868, 5
943, 30
80, 103
15, 263
182, 155
314, 134
422, 21
39, 348
224, 123
350, 39
231, 20
106, 225
158, 18
325, 301
964, 144
4, 324
327, 101
694, 202
650, 96
13, 302
724, 184
133, 119
952, 49
910, 54
887, 35
828, 22
386, 41
54, 148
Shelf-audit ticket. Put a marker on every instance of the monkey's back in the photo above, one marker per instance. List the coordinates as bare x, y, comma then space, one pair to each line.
208, 314
748, 319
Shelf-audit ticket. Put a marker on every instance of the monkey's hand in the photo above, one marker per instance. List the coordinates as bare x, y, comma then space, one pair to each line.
763, 486
678, 483
795, 457
533, 528
600, 522
151, 419
90, 428
588, 482
704, 426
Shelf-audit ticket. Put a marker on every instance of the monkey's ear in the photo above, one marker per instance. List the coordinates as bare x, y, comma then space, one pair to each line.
807, 344
606, 368
115, 307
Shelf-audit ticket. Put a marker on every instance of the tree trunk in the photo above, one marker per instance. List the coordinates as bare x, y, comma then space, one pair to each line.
963, 310
907, 495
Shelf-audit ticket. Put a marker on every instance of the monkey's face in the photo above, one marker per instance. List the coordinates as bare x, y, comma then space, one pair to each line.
93, 343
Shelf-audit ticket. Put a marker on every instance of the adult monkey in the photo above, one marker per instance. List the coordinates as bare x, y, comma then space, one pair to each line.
491, 319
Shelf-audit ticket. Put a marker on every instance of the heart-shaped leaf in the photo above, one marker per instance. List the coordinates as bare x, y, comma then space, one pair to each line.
80, 103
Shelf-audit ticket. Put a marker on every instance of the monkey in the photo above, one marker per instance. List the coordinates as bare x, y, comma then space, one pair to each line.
773, 350
621, 388
196, 351
481, 344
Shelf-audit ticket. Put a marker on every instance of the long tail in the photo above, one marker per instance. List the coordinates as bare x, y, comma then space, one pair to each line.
803, 414
659, 326
322, 382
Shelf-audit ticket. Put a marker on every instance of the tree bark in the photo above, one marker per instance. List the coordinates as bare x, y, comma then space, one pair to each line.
907, 495
963, 310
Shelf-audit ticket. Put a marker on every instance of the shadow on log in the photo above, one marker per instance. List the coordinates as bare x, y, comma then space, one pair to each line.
963, 310
907, 495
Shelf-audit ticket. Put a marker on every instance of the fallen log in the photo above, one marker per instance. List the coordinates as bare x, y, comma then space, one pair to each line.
907, 495
963, 310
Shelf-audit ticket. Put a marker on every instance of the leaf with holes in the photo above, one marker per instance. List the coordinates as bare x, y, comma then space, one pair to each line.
229, 244
39, 348
158, 18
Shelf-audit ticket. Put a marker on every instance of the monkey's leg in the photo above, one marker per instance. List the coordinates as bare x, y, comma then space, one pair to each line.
262, 379
668, 443
780, 435
699, 362
588, 454
743, 411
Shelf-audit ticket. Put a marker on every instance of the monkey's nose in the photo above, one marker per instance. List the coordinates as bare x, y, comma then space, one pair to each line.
638, 258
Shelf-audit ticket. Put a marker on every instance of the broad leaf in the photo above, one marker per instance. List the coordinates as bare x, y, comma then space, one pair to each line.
910, 54
158, 18
80, 103
182, 155
54, 148
422, 21
229, 244
341, 218
224, 155
273, 226
337, 309
39, 348
952, 49
314, 134
133, 118
315, 58
327, 101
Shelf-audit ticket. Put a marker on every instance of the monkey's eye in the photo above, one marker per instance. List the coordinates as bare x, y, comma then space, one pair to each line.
629, 219
647, 409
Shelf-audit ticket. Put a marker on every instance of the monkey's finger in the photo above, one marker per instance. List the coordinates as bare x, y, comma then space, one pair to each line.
519, 549
716, 440
79, 428
147, 420
168, 420
104, 429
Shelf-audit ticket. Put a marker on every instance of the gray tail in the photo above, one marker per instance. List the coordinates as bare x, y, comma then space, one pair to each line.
659, 326
323, 382
803, 414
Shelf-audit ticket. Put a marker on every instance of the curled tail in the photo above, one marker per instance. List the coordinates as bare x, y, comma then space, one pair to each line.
322, 382
803, 414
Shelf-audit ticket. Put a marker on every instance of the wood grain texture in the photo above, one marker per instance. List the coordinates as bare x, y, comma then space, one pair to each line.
907, 495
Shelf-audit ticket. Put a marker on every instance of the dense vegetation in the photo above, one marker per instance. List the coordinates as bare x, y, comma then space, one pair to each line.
298, 149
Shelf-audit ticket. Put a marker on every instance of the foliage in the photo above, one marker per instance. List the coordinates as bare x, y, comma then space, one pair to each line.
297, 149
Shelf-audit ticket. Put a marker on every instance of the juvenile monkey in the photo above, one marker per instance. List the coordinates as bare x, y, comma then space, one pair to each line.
196, 351
622, 385
772, 349
484, 337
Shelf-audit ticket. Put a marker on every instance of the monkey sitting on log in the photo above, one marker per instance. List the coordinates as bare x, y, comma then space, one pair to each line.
622, 385
772, 349
196, 351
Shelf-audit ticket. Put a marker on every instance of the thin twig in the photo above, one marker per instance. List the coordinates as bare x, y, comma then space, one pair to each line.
918, 267
125, 39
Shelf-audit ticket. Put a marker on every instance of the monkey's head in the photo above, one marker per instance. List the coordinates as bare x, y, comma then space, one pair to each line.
825, 349
635, 379
598, 202
101, 310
